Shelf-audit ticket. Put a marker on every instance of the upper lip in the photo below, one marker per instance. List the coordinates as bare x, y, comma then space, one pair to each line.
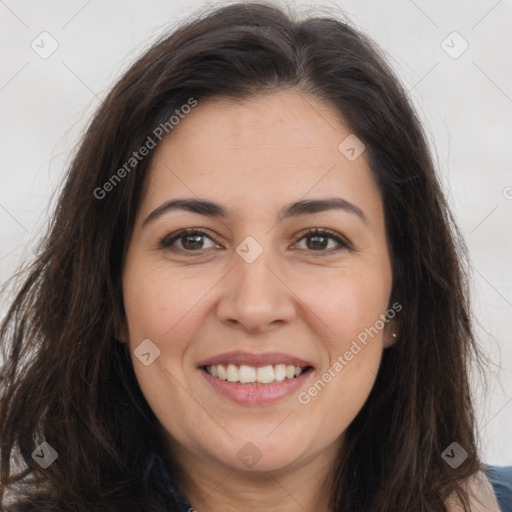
251, 359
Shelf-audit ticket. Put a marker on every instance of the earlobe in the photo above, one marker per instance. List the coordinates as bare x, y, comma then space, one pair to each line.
391, 335
120, 337
120, 332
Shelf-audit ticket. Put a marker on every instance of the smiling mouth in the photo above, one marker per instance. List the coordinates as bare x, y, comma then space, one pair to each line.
244, 374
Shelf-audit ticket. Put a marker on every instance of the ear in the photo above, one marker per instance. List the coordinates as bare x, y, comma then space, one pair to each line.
120, 331
391, 334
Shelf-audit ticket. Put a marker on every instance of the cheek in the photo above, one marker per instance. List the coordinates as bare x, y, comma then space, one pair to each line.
162, 305
166, 308
350, 306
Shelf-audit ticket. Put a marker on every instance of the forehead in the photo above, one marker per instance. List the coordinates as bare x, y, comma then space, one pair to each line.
277, 123
260, 152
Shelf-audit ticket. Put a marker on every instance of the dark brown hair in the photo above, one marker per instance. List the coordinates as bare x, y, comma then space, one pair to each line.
65, 379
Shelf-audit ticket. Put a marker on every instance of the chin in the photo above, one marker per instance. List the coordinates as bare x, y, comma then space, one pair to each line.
260, 453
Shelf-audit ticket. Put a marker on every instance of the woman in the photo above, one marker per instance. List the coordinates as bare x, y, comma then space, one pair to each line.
252, 295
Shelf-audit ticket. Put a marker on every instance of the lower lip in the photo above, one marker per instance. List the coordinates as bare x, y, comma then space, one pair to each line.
256, 394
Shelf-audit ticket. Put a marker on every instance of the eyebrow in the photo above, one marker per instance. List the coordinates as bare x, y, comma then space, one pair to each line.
211, 209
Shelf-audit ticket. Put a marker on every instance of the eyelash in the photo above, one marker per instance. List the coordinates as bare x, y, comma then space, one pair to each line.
167, 241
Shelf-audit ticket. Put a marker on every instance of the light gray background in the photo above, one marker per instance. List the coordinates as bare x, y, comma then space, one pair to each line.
465, 102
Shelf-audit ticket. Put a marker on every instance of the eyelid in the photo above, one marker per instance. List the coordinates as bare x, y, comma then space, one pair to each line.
167, 241
341, 240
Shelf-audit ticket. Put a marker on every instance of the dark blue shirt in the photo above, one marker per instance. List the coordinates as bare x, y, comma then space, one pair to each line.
501, 480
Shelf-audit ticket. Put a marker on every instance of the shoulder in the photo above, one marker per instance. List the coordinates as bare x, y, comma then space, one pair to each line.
481, 496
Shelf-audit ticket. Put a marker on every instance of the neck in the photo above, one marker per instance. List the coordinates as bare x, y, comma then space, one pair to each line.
210, 487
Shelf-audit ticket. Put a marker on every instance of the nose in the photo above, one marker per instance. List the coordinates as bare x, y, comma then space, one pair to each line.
255, 297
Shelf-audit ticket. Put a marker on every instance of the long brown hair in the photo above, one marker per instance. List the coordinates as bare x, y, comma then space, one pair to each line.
65, 379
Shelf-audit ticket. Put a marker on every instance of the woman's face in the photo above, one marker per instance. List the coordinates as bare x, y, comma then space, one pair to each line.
255, 297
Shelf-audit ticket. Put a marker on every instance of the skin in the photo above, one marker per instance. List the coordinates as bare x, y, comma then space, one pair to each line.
254, 157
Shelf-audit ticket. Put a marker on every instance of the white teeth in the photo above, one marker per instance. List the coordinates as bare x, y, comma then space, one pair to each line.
222, 372
246, 373
249, 374
265, 374
232, 373
280, 373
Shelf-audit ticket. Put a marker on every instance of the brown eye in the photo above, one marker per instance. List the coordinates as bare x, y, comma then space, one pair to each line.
188, 241
318, 240
193, 240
